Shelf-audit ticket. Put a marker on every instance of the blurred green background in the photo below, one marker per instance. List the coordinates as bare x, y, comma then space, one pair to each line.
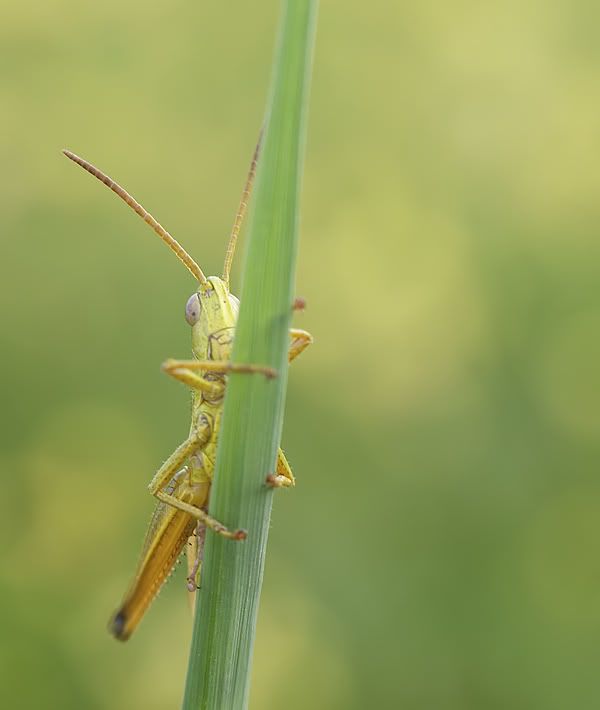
441, 549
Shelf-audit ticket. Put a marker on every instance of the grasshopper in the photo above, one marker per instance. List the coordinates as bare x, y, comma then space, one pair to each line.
182, 484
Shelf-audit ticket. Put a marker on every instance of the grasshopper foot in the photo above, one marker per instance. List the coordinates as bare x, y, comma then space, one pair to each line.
276, 481
229, 534
299, 304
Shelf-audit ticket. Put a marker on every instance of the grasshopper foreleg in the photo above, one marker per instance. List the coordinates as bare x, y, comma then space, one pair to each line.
220, 366
283, 477
191, 379
186, 371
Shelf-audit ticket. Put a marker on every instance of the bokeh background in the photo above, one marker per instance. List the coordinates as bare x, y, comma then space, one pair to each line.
442, 547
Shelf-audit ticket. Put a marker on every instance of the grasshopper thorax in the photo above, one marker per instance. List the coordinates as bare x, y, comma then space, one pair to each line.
212, 312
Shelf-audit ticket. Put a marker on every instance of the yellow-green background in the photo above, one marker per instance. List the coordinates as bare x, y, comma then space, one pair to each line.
442, 547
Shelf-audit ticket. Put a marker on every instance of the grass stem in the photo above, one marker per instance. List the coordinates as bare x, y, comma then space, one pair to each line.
227, 606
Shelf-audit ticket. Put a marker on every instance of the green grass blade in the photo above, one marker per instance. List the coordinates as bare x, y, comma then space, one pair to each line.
227, 606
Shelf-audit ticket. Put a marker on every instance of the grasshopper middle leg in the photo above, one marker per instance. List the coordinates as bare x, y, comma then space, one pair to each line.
283, 477
196, 441
195, 555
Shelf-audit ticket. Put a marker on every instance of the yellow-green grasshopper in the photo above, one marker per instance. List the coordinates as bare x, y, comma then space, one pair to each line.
182, 484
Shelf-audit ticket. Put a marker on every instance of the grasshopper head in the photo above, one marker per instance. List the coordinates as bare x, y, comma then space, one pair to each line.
212, 312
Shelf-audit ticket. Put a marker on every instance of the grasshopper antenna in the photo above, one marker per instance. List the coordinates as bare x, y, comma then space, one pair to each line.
235, 231
170, 241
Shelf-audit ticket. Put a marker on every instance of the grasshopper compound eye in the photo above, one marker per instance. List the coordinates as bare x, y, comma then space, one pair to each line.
192, 309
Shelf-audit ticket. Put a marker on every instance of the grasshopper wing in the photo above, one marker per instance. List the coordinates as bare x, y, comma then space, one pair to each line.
167, 534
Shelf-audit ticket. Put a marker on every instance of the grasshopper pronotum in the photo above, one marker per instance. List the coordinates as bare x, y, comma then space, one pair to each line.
182, 483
